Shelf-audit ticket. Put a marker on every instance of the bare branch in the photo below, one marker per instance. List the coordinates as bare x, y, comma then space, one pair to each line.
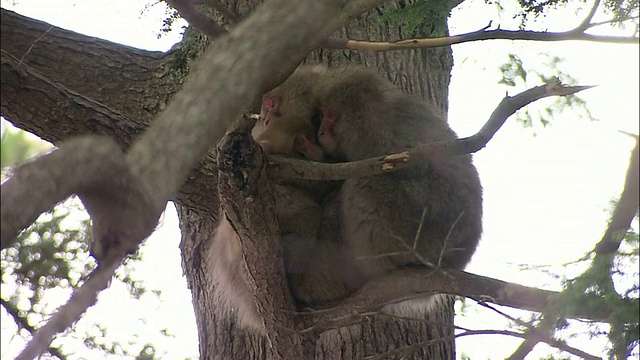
405, 349
587, 20
611, 21
411, 283
284, 168
480, 35
81, 299
22, 323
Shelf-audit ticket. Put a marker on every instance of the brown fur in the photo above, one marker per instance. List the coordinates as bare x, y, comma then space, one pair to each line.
365, 116
311, 260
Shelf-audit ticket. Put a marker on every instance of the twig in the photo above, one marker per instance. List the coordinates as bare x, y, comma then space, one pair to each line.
479, 35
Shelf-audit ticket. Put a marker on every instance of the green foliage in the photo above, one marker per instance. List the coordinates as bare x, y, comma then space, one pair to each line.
516, 74
147, 353
46, 255
512, 70
613, 280
555, 357
17, 146
172, 16
428, 18
191, 46
621, 12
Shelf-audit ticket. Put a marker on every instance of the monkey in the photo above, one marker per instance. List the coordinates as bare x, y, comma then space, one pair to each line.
435, 207
288, 125
369, 226
289, 117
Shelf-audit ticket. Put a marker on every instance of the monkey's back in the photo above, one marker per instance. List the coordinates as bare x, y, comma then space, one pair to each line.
382, 213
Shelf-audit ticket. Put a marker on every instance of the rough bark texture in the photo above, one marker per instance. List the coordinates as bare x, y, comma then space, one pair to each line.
57, 84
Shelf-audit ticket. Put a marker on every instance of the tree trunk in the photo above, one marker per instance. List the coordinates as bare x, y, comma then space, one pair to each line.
122, 89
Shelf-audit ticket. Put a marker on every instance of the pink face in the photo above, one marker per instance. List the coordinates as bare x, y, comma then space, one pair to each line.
280, 133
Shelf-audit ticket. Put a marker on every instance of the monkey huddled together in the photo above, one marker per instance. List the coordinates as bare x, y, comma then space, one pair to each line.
334, 241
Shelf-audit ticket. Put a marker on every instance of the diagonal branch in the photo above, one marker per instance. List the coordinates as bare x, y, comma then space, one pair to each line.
23, 323
285, 168
125, 194
626, 209
585, 24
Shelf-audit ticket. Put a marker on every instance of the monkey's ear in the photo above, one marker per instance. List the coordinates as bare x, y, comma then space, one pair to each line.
271, 103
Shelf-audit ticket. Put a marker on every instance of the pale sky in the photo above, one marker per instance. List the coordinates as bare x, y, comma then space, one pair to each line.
547, 190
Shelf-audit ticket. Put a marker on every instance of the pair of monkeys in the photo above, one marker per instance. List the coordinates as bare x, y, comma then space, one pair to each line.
427, 214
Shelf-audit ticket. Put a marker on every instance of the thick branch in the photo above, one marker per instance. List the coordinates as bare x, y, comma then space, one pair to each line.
197, 19
60, 105
92, 167
138, 80
285, 168
198, 116
410, 283
241, 181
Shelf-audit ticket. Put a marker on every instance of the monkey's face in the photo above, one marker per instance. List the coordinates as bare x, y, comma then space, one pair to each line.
283, 132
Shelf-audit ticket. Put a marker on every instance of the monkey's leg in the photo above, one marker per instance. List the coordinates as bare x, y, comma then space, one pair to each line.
317, 270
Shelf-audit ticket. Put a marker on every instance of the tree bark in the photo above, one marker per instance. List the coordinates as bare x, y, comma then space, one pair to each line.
57, 84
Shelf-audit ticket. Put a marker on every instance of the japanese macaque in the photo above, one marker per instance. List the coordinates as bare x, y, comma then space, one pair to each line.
288, 126
428, 214
333, 243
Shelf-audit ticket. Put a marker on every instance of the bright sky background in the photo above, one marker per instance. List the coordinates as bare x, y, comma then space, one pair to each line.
547, 190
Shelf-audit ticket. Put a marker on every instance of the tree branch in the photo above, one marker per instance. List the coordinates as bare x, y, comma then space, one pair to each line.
626, 209
81, 299
139, 80
60, 105
285, 168
585, 24
197, 19
411, 283
241, 164
405, 349
23, 323
480, 35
